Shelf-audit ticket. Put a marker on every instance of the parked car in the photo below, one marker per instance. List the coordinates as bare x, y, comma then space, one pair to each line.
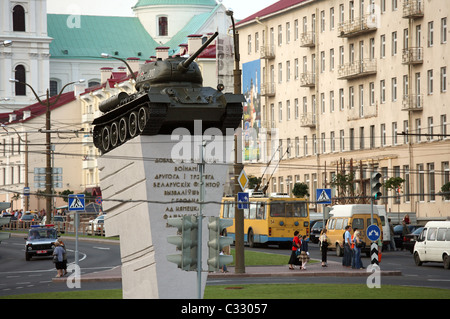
398, 234
96, 226
316, 229
410, 239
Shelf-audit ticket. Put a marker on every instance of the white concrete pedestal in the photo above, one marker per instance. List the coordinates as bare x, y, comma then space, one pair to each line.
139, 181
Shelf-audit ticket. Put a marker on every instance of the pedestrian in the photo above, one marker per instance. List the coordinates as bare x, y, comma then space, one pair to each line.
58, 259
296, 244
392, 241
347, 259
64, 257
357, 250
304, 253
324, 241
352, 239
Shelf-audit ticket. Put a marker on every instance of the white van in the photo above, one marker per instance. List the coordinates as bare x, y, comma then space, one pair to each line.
433, 244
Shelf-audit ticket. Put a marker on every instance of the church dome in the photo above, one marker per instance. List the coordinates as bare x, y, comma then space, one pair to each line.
145, 3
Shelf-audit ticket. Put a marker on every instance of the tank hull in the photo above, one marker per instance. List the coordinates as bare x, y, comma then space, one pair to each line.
162, 111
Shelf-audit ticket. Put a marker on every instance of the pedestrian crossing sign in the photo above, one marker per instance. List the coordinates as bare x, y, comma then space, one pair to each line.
76, 202
323, 196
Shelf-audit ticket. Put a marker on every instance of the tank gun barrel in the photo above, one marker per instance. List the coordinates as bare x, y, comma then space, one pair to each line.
183, 66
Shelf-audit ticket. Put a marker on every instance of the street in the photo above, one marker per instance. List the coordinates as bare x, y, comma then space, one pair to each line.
431, 275
18, 276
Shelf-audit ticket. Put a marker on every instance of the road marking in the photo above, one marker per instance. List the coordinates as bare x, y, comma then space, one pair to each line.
102, 248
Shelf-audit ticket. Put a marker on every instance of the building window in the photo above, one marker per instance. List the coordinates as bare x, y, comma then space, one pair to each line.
431, 182
163, 26
430, 33
21, 77
444, 79
430, 81
421, 182
444, 30
18, 18
53, 87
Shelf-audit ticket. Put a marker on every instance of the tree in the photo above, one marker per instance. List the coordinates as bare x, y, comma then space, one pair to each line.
253, 181
394, 183
445, 191
300, 190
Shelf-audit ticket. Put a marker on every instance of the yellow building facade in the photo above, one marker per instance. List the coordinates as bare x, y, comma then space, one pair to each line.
349, 88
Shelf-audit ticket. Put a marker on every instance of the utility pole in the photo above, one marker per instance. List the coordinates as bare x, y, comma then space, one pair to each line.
238, 213
48, 158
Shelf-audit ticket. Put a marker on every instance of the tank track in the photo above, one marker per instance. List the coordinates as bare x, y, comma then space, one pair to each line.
143, 119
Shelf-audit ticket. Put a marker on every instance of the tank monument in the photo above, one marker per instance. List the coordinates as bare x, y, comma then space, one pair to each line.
165, 151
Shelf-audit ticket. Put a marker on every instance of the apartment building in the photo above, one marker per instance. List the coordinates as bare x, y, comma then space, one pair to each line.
337, 83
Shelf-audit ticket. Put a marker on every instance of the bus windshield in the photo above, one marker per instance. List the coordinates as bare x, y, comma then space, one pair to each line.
288, 209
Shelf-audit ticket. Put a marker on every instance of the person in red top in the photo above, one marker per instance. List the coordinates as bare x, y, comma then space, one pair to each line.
296, 244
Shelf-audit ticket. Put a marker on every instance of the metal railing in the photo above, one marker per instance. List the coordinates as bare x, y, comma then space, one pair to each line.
412, 55
357, 69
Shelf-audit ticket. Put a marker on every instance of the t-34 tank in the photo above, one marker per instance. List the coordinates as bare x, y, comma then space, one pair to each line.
169, 94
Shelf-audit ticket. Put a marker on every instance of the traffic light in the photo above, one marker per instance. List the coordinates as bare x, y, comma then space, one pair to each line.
217, 242
375, 185
185, 241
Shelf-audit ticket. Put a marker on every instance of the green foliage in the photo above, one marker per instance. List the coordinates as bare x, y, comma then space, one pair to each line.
253, 181
300, 190
394, 183
445, 189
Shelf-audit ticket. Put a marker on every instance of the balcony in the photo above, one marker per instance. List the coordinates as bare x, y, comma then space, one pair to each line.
413, 9
308, 39
268, 89
89, 164
308, 120
358, 26
307, 80
357, 69
268, 52
412, 56
413, 102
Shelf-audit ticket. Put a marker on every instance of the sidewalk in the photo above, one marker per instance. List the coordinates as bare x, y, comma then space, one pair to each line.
334, 269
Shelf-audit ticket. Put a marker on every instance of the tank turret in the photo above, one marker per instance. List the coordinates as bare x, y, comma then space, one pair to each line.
169, 94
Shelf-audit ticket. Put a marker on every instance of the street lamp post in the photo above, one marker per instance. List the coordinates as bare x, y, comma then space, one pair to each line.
238, 213
48, 166
6, 43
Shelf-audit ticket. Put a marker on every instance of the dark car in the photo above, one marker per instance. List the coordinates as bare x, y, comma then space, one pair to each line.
410, 240
315, 231
398, 234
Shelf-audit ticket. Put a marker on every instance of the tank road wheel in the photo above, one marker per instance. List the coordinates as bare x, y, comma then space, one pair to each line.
133, 124
122, 130
106, 138
114, 134
142, 119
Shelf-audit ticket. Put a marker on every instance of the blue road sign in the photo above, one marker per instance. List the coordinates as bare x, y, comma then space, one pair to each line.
26, 191
373, 232
323, 196
76, 202
243, 200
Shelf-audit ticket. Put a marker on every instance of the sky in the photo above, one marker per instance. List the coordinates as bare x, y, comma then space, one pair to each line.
241, 8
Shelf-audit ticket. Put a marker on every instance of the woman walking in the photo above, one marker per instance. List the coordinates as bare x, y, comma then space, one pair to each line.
304, 255
324, 242
296, 243
357, 250
58, 259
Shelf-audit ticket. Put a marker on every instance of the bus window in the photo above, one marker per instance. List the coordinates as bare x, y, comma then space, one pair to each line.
331, 223
447, 234
252, 211
345, 223
276, 209
358, 223
290, 210
261, 212
339, 222
432, 234
441, 234
230, 209
375, 222
300, 210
